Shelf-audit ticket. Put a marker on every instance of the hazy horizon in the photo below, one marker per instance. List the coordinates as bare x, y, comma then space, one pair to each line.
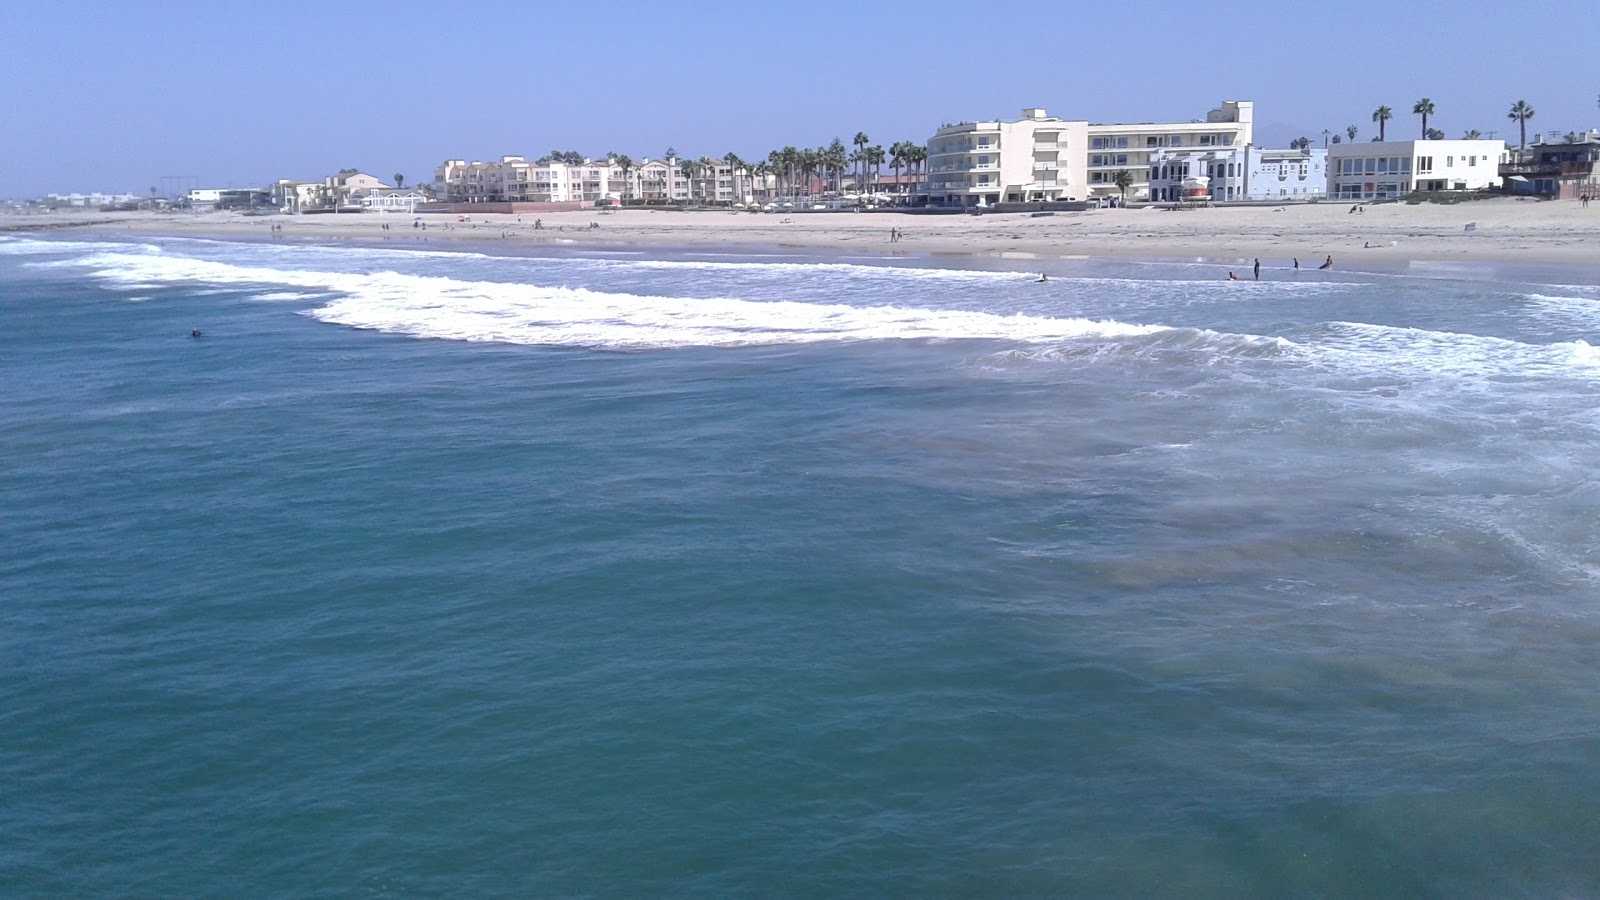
113, 97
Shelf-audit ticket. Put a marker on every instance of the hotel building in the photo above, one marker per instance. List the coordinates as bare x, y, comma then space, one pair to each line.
1379, 170
1037, 157
1042, 157
1113, 148
1239, 173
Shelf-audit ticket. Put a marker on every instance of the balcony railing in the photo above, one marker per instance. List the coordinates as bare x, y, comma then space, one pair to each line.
1547, 168
1046, 145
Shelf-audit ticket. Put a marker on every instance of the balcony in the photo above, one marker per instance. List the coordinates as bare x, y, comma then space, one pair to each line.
1548, 169
1046, 145
1046, 167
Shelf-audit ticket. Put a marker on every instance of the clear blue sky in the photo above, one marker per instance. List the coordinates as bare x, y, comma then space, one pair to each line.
114, 95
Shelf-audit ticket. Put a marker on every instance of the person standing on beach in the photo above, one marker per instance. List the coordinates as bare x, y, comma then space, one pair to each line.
1297, 263
1258, 270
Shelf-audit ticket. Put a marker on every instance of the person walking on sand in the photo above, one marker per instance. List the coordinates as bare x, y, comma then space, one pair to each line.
1258, 270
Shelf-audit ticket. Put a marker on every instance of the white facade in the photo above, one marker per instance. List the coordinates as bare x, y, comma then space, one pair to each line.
652, 181
1241, 173
1377, 170
1129, 147
1038, 157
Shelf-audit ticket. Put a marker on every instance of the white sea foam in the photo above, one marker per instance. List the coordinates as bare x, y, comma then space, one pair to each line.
440, 307
15, 246
1450, 354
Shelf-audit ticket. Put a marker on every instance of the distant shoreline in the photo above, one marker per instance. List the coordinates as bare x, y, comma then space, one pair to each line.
1505, 230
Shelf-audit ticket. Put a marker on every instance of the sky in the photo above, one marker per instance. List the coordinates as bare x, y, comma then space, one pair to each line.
114, 96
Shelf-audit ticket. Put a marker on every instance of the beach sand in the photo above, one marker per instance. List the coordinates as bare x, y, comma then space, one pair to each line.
1505, 229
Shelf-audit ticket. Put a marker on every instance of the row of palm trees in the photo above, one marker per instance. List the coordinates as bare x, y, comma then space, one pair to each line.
1520, 113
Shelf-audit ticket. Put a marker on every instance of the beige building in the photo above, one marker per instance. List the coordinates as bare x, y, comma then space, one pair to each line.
1130, 147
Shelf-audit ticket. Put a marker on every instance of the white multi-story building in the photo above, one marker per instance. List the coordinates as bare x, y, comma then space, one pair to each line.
652, 181
1129, 147
1239, 173
1377, 170
1041, 157
1037, 157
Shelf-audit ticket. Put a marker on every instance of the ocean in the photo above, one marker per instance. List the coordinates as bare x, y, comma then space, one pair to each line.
657, 572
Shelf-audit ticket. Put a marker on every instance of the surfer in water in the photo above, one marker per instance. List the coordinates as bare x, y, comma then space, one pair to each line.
1327, 263
194, 332
1041, 279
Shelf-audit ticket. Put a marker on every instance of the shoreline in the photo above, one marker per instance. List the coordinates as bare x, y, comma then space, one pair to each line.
1505, 230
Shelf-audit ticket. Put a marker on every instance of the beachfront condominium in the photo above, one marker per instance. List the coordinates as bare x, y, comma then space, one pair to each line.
1378, 170
513, 179
1129, 147
1043, 157
1237, 173
1037, 157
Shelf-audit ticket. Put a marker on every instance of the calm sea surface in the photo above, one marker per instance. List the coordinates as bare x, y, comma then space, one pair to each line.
686, 574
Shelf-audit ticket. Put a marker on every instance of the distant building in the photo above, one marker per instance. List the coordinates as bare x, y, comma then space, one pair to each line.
1239, 173
230, 198
1558, 166
393, 199
513, 179
1378, 170
1036, 157
1041, 157
1129, 147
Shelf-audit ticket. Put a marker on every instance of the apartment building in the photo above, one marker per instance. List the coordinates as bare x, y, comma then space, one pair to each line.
1378, 170
1036, 157
652, 181
1130, 147
1238, 173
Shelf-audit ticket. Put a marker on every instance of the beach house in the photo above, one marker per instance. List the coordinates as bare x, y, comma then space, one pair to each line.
1378, 170
1558, 166
1238, 173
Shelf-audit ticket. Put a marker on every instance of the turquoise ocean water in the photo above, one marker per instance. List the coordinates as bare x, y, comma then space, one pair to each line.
623, 573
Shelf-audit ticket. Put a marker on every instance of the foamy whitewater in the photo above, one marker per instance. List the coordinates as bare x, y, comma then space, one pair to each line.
644, 572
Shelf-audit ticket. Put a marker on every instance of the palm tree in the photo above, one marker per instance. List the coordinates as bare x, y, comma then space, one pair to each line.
874, 162
689, 169
836, 157
1423, 108
735, 166
1300, 143
1123, 180
1381, 115
1472, 135
761, 170
708, 173
399, 180
1433, 134
860, 143
917, 155
625, 163
897, 159
1520, 114
1352, 131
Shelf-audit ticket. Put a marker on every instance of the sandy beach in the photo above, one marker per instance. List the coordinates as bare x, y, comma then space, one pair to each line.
1503, 230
